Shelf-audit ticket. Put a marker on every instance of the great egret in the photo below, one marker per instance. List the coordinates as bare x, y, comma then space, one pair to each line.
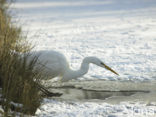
56, 64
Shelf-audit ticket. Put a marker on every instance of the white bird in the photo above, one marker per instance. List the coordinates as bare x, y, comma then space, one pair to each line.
56, 65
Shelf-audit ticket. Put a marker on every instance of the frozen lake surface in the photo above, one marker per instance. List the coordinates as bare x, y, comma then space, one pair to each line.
119, 32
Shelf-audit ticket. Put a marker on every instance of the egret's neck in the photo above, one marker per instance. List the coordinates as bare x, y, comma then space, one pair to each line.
82, 71
74, 74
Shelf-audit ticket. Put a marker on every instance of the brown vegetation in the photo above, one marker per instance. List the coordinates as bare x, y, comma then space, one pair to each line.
18, 78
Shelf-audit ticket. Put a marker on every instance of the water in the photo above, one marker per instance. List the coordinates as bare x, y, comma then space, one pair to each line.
110, 91
82, 94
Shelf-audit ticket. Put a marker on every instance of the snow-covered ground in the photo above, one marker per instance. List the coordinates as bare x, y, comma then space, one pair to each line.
119, 32
90, 109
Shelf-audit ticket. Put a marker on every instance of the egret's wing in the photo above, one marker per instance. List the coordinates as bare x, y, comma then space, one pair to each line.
54, 63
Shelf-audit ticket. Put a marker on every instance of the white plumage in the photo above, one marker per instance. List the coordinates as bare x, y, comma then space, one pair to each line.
55, 64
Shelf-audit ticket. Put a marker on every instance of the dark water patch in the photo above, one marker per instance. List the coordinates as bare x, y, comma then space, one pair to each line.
85, 94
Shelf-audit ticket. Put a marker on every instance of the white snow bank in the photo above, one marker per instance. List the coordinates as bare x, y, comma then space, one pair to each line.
52, 108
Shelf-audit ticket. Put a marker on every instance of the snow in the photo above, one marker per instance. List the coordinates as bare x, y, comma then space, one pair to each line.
124, 38
90, 109
121, 33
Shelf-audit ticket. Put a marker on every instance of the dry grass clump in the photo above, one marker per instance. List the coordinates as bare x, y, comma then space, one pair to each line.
18, 78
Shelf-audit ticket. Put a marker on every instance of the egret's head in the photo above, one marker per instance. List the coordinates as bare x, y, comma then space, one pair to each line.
98, 62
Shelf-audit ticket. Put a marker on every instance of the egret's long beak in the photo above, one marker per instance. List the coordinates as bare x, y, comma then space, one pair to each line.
108, 68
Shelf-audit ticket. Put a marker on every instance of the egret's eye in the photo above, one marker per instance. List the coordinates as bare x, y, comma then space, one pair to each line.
102, 63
